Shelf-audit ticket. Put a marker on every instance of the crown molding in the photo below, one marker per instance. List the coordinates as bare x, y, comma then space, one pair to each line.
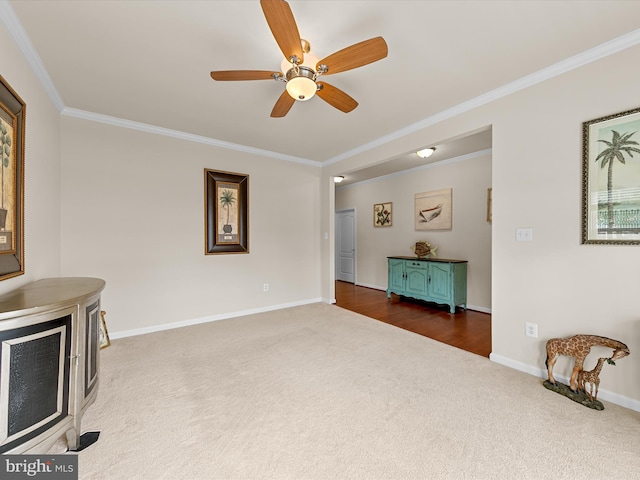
19, 35
608, 48
144, 127
448, 161
17, 32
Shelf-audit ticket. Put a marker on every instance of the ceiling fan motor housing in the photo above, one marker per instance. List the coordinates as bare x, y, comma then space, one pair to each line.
301, 82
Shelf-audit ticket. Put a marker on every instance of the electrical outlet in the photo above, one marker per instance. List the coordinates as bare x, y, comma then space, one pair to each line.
531, 329
265, 287
524, 234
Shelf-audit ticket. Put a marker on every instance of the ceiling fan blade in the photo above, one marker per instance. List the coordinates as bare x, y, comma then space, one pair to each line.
283, 27
336, 97
283, 105
225, 75
356, 55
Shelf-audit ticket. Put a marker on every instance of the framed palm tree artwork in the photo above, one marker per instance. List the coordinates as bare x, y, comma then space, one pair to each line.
12, 118
611, 179
226, 212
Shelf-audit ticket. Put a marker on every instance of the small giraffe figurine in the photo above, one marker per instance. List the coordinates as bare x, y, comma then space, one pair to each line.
579, 347
592, 377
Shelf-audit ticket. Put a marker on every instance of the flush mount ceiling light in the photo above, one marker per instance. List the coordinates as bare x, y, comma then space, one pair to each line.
301, 79
301, 83
425, 152
338, 179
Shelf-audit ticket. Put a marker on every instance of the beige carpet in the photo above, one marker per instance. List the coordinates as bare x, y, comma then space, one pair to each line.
318, 392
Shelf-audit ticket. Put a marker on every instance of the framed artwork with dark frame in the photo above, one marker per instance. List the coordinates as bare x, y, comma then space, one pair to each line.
226, 212
12, 125
611, 179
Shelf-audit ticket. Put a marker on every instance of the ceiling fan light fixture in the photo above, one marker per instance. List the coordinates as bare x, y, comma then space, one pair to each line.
301, 83
425, 152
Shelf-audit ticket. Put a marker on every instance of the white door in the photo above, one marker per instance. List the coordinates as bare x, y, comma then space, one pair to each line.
345, 246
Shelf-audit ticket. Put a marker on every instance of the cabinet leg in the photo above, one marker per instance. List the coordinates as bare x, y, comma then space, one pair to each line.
73, 439
86, 440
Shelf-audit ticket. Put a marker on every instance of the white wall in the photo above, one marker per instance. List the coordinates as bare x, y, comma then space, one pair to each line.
41, 169
469, 238
554, 281
133, 214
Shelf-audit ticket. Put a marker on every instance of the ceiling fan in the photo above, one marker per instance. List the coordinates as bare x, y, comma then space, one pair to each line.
300, 71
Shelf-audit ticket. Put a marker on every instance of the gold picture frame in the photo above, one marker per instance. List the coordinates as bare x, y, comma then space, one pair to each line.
103, 334
12, 135
226, 212
611, 179
382, 214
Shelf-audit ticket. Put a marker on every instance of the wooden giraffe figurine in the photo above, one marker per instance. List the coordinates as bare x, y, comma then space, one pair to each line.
579, 347
592, 377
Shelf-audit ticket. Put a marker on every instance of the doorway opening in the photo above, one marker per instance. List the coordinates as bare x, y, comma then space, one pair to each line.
466, 329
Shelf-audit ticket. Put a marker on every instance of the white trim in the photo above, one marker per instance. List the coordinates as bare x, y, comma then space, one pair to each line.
441, 163
17, 32
374, 287
608, 48
19, 35
607, 395
475, 308
167, 132
469, 307
211, 318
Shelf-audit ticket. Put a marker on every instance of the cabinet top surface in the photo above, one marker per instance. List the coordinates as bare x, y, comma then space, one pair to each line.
49, 293
430, 259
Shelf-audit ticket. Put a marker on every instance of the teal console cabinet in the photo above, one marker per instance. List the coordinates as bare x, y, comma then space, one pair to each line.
437, 280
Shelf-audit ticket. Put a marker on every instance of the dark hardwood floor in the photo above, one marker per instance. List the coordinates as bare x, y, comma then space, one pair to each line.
465, 329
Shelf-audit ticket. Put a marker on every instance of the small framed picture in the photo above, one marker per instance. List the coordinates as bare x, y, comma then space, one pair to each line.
382, 214
433, 210
104, 334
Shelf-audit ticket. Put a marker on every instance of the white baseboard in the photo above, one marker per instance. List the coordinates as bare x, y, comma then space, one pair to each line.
211, 318
607, 395
375, 287
469, 307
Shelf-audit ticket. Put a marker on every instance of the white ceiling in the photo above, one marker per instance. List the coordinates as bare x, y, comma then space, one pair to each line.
148, 61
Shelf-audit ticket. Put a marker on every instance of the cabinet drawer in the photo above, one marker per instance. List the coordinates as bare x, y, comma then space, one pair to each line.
416, 264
